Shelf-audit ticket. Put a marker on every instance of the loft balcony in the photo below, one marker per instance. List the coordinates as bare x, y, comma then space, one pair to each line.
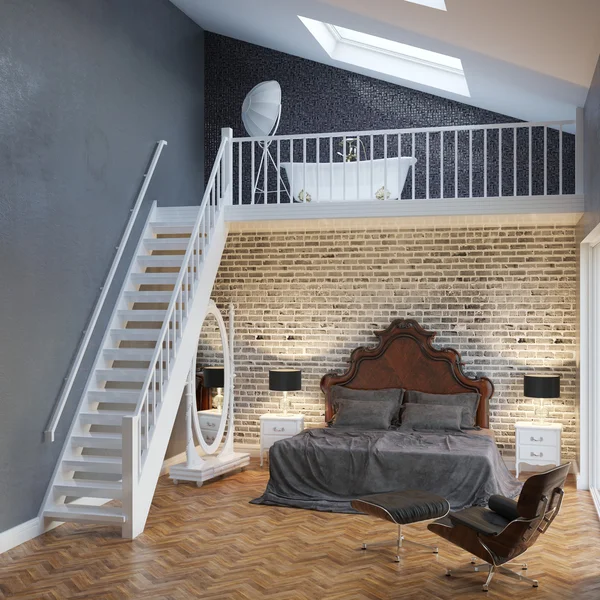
499, 173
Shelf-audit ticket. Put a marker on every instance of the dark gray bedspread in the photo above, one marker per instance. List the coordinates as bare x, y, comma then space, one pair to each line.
324, 469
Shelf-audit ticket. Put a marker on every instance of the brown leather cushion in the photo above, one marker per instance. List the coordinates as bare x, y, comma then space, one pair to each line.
406, 507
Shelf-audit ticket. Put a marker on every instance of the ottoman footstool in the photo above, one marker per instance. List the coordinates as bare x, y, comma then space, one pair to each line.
403, 508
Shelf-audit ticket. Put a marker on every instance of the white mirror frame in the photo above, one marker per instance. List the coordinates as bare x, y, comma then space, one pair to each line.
227, 391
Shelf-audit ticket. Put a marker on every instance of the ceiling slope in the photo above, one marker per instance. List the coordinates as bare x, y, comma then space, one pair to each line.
532, 59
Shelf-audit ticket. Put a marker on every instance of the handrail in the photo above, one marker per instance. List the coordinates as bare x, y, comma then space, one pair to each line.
70, 379
177, 289
336, 134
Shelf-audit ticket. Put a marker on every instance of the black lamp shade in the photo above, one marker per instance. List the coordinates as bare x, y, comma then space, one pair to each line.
214, 377
541, 386
285, 380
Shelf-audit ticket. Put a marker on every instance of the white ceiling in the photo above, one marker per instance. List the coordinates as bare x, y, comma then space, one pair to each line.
531, 59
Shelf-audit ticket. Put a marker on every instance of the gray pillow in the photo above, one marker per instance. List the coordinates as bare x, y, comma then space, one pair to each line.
431, 417
375, 414
339, 393
469, 401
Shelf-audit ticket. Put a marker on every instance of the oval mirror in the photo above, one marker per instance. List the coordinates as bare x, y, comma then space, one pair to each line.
211, 374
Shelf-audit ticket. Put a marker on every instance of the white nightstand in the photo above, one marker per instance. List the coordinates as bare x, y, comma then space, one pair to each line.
209, 423
538, 444
275, 427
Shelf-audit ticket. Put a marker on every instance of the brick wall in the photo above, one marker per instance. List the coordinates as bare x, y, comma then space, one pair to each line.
505, 298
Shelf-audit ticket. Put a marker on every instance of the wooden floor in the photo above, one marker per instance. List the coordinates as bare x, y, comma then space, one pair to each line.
210, 543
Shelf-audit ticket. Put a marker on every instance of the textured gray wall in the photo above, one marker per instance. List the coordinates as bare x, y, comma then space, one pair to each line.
86, 89
592, 154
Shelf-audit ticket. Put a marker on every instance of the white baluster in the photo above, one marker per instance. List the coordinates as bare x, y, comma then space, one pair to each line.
545, 161
304, 169
278, 172
470, 163
500, 162
441, 164
530, 161
515, 161
240, 169
560, 160
485, 147
414, 151
427, 165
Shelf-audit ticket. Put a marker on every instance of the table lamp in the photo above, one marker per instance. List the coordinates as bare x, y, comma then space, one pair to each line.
285, 380
542, 386
214, 377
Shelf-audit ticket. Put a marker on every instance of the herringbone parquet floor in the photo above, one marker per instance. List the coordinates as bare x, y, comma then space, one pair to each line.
210, 543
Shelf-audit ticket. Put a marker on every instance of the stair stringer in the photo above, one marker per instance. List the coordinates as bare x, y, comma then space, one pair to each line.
75, 428
154, 457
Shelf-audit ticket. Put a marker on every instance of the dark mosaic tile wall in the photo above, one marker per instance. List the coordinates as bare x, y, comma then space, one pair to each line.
319, 98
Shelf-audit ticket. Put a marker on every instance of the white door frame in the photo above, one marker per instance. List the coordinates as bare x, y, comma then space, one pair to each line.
589, 406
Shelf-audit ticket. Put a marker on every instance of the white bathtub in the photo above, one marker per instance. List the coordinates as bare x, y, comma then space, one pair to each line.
374, 176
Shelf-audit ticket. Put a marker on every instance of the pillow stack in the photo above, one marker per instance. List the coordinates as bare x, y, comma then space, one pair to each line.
410, 409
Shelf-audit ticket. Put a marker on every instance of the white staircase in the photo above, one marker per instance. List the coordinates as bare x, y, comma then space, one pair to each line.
114, 450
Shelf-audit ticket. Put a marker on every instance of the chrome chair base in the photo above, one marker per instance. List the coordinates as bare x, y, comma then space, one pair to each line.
491, 570
398, 544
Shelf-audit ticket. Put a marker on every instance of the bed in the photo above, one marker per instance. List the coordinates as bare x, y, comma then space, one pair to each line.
326, 468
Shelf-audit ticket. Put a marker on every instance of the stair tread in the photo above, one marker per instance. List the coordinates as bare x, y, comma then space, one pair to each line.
142, 314
139, 354
166, 243
114, 396
86, 484
86, 459
154, 297
103, 514
133, 335
153, 276
161, 261
106, 413
99, 435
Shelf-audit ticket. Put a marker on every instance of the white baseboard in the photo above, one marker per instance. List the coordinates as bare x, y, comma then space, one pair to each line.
20, 534
596, 498
11, 538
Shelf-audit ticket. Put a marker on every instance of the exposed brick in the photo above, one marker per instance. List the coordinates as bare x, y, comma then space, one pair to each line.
505, 298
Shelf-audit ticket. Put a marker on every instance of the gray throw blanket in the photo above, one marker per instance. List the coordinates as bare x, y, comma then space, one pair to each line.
324, 469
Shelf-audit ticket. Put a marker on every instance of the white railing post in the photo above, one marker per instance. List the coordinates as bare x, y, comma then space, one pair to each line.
227, 174
579, 141
130, 457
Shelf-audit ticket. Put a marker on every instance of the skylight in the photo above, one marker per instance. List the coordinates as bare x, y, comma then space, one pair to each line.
390, 57
439, 4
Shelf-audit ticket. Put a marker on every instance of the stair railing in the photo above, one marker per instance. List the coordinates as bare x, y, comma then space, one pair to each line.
139, 427
89, 330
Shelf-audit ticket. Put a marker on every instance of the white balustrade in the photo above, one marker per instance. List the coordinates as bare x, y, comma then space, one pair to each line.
217, 194
474, 161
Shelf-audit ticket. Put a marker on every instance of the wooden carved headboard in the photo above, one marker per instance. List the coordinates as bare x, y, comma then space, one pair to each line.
405, 358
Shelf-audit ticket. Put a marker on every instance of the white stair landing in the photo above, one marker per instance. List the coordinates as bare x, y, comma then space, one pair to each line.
208, 467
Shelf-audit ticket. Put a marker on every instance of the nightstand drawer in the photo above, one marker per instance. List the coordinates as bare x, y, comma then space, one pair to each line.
283, 427
269, 440
209, 422
539, 437
541, 453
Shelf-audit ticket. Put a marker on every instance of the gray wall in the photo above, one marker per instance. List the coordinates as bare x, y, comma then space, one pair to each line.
592, 155
86, 90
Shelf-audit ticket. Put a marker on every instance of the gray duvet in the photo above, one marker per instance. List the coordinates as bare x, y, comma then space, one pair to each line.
324, 469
